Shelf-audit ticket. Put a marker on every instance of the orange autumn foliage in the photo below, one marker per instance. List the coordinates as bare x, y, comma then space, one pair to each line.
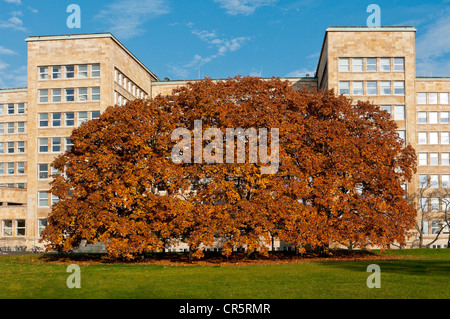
341, 167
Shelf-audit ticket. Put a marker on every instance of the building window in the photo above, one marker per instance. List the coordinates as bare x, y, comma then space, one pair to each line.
433, 138
401, 134
10, 168
386, 108
56, 119
43, 145
424, 204
433, 118
43, 120
42, 199
423, 159
11, 128
432, 98
54, 199
43, 73
422, 117
434, 158
95, 94
20, 127
357, 65
82, 95
82, 71
399, 112
385, 64
2, 168
399, 64
434, 181
56, 95
56, 72
385, 87
444, 117
445, 180
371, 64
21, 108
95, 70
443, 98
70, 119
42, 171
70, 95
399, 87
423, 181
20, 168
70, 71
68, 144
358, 88
21, 147
42, 223
95, 115
344, 64
7, 228
10, 147
344, 88
2, 128
421, 98
2, 147
82, 117
435, 224
43, 96
371, 87
445, 158
56, 144
11, 108
444, 138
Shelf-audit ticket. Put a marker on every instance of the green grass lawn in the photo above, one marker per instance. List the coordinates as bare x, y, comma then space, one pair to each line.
421, 273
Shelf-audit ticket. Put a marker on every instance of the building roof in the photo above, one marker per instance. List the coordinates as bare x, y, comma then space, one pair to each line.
13, 90
90, 36
372, 29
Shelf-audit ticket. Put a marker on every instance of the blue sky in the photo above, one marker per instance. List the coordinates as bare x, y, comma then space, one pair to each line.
188, 39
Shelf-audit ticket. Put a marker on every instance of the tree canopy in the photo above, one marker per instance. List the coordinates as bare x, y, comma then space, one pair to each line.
337, 171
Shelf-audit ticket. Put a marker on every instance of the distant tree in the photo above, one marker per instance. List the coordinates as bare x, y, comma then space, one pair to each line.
338, 175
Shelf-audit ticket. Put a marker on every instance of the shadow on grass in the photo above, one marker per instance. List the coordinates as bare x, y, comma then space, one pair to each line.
212, 258
405, 266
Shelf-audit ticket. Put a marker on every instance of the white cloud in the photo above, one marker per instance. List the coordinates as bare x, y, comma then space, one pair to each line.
6, 51
433, 49
126, 17
244, 7
14, 1
14, 22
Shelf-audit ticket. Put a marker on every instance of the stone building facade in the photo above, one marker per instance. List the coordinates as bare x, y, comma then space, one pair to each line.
73, 78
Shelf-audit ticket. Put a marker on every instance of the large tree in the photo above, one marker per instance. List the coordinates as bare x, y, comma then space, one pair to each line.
333, 175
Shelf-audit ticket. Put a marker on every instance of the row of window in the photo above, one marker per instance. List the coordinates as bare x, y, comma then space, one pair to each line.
434, 204
399, 111
432, 98
371, 64
119, 99
12, 127
17, 227
12, 168
54, 144
432, 117
12, 185
372, 87
12, 147
57, 96
435, 228
433, 138
69, 71
433, 159
128, 85
45, 198
67, 119
12, 108
433, 181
